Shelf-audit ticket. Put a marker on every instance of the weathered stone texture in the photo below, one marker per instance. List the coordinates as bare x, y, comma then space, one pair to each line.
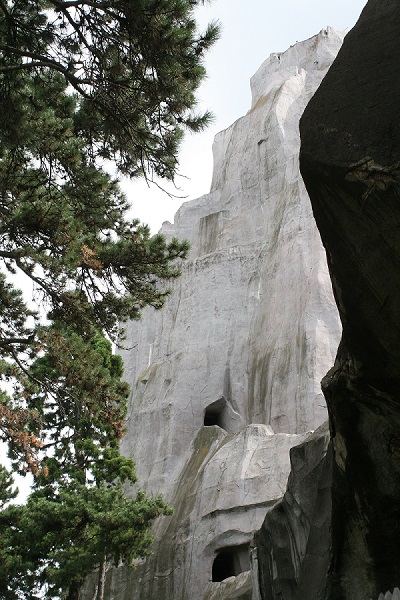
252, 318
350, 160
248, 331
293, 545
233, 588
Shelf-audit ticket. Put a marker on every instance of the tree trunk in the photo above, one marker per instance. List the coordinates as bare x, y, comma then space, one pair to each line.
102, 579
74, 592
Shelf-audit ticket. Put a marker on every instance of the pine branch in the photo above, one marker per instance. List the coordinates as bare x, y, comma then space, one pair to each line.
50, 63
8, 342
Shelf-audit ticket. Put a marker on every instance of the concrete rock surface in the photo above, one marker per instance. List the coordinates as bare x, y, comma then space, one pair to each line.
293, 544
251, 322
226, 377
233, 588
350, 161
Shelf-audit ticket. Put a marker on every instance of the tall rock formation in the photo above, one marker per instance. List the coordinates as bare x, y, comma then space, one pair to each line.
350, 161
294, 542
226, 377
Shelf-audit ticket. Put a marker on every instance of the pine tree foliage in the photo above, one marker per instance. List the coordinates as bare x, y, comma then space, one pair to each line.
78, 514
64, 222
84, 84
58, 540
136, 65
7, 492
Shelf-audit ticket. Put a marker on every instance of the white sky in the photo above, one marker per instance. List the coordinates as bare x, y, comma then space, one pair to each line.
251, 30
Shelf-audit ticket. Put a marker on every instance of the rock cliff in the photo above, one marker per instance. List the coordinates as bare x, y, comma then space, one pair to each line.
226, 378
350, 161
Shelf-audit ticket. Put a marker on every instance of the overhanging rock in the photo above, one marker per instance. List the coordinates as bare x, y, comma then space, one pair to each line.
350, 160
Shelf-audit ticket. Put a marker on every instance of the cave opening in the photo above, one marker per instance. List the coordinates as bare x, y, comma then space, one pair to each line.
223, 566
214, 414
230, 562
212, 418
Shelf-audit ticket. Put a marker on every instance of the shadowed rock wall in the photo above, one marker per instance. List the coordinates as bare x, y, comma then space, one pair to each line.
350, 161
293, 544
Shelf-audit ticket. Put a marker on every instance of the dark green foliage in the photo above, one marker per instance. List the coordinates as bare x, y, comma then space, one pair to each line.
7, 492
82, 83
58, 538
77, 514
136, 64
64, 222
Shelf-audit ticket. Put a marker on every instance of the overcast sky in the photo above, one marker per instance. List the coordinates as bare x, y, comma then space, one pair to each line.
251, 30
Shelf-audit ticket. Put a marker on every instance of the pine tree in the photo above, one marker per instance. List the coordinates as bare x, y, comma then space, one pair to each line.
77, 517
83, 85
135, 65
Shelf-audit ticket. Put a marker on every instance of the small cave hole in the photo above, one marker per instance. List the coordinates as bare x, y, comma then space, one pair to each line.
212, 418
230, 562
214, 413
223, 566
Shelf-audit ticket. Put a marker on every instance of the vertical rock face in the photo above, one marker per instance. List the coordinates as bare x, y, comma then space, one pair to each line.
226, 378
251, 323
350, 160
293, 544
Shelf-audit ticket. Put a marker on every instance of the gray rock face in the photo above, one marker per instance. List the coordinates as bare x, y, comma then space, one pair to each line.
350, 161
294, 542
226, 378
232, 588
225, 490
390, 596
252, 320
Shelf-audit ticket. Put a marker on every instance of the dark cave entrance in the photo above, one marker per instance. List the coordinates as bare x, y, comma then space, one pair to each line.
223, 566
230, 562
214, 414
212, 418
